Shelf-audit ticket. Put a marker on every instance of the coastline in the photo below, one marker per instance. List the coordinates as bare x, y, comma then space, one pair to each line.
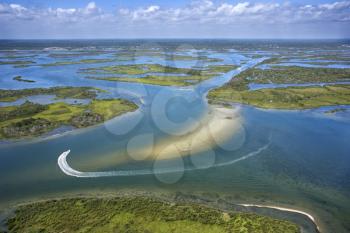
279, 205
215, 203
308, 215
49, 136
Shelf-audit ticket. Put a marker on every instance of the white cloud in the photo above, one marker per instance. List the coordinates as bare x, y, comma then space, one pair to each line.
240, 8
336, 5
143, 13
91, 9
17, 7
206, 11
200, 10
18, 12
203, 13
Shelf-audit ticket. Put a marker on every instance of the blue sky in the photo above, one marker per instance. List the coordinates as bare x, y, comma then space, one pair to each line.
174, 19
110, 4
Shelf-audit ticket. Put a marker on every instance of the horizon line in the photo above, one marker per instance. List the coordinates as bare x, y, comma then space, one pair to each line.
179, 38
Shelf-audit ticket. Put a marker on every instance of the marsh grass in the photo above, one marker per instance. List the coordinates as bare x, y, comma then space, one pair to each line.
287, 98
185, 76
137, 214
60, 92
29, 119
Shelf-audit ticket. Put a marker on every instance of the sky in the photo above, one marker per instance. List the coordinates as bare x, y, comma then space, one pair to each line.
80, 19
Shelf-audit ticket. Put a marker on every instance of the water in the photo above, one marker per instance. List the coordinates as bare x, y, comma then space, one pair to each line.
305, 163
44, 99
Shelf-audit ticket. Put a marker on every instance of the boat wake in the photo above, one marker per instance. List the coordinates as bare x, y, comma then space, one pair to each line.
68, 170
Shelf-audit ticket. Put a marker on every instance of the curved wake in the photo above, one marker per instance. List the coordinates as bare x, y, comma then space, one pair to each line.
68, 170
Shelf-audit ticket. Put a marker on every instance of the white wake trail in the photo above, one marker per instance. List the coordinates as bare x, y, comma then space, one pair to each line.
68, 170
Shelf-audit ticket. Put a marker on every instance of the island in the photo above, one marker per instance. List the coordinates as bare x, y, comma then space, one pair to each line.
83, 61
156, 74
21, 79
310, 95
137, 214
17, 63
33, 119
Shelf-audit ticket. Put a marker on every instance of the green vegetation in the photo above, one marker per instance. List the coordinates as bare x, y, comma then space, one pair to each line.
290, 97
191, 58
295, 74
286, 98
129, 55
220, 68
20, 79
333, 57
274, 60
140, 69
136, 214
17, 64
160, 80
309, 59
16, 56
192, 76
288, 74
60, 92
77, 54
26, 109
135, 69
84, 61
29, 119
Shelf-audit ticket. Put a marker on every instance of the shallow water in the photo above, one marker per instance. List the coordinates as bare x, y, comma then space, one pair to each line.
305, 162
44, 99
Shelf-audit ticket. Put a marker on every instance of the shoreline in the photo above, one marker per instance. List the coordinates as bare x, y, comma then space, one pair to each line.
308, 215
29, 140
170, 197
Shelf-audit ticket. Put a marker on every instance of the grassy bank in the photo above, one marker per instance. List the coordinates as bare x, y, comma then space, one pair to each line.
136, 69
159, 80
76, 54
286, 98
84, 61
136, 214
17, 64
135, 54
179, 77
60, 92
30, 120
289, 97
288, 74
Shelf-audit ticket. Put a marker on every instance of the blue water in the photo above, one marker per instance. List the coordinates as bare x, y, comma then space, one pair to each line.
44, 99
306, 164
